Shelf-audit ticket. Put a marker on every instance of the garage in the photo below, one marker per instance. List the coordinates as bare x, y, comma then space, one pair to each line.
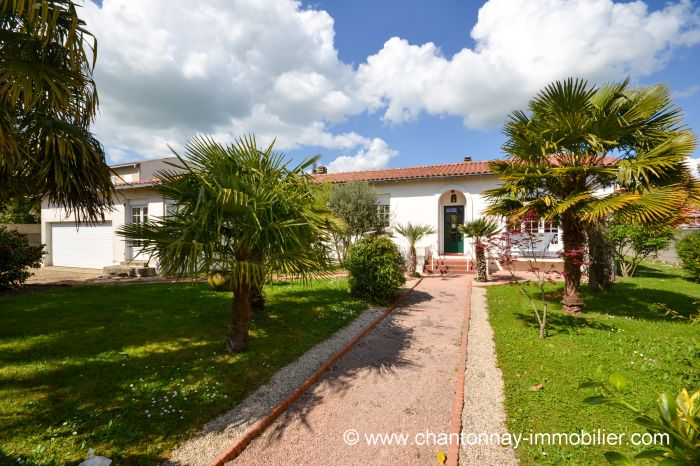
89, 246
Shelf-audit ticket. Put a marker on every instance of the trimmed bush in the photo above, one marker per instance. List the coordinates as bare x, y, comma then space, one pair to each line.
376, 269
689, 252
16, 256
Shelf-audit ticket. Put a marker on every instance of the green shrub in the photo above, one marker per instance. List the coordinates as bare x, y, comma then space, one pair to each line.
677, 426
689, 252
16, 256
376, 269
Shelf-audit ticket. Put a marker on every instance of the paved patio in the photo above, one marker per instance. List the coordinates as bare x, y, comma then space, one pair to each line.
47, 275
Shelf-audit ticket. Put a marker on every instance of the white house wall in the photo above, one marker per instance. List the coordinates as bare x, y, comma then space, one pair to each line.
418, 202
119, 215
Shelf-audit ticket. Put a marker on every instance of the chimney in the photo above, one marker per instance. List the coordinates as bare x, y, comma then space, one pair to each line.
467, 159
321, 170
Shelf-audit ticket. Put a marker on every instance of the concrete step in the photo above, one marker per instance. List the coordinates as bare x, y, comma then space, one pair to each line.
133, 263
452, 265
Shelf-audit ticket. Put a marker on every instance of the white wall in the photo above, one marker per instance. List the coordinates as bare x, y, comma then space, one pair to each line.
119, 215
418, 202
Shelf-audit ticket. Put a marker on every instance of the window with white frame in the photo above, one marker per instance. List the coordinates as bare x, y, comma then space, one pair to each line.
552, 226
139, 215
383, 211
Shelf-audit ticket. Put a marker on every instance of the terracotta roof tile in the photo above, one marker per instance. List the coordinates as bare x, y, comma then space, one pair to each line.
420, 172
408, 173
136, 184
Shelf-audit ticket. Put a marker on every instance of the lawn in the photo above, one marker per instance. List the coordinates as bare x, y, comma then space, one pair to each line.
622, 331
131, 371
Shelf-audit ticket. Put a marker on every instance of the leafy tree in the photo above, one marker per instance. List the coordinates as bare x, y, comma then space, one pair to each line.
632, 243
558, 162
689, 253
16, 256
334, 225
355, 204
479, 230
413, 234
21, 210
47, 102
241, 209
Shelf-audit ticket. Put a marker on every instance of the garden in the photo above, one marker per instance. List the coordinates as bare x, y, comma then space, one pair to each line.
626, 331
130, 371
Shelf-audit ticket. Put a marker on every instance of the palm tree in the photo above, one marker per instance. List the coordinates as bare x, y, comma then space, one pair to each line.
413, 234
47, 101
577, 141
479, 230
240, 209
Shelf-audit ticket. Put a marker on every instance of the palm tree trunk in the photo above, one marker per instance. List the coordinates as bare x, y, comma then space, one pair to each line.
411, 261
574, 245
602, 268
480, 263
241, 310
257, 300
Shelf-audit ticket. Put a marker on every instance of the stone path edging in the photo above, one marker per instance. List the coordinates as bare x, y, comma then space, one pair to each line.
456, 424
244, 440
484, 400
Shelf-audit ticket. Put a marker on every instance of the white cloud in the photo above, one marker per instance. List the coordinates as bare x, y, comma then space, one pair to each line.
375, 155
694, 165
167, 71
522, 45
687, 92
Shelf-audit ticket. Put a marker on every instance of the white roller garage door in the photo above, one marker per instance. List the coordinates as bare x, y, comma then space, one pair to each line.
89, 246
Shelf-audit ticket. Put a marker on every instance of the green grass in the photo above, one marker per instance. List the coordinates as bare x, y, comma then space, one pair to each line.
622, 331
132, 370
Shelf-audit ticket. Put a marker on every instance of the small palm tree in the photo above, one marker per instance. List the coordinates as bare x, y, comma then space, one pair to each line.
241, 209
479, 230
413, 234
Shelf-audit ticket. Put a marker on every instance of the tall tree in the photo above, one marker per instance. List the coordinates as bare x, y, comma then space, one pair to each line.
241, 209
575, 142
48, 100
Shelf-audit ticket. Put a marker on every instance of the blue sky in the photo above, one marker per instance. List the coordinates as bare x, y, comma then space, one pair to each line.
369, 84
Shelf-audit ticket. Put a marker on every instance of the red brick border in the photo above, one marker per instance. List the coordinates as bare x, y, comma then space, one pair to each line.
237, 447
458, 406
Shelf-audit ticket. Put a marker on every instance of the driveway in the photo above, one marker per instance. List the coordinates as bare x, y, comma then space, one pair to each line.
46, 275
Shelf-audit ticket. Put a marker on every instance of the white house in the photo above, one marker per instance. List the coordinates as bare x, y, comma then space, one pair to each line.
98, 246
443, 196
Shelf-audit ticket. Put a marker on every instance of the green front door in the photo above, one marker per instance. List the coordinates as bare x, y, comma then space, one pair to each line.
454, 239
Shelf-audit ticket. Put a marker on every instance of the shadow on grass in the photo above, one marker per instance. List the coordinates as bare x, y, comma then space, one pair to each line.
559, 323
105, 361
629, 299
650, 270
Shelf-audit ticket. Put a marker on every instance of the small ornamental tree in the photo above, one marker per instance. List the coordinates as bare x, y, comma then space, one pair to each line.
634, 242
479, 230
376, 269
16, 256
413, 234
355, 205
689, 253
501, 247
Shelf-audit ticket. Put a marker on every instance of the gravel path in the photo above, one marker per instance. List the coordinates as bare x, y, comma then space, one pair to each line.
483, 392
222, 431
399, 379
